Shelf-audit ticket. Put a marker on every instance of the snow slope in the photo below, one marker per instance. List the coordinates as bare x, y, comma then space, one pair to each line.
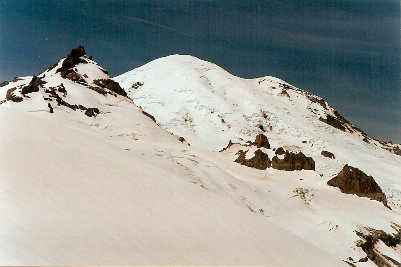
116, 188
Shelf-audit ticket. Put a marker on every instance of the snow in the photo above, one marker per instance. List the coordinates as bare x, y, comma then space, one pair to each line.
118, 189
191, 97
21, 81
394, 253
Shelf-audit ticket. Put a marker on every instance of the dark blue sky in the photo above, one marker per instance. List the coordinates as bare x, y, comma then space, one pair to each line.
346, 51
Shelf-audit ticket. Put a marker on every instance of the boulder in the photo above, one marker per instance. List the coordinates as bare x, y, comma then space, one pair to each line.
351, 180
259, 161
33, 85
293, 162
327, 154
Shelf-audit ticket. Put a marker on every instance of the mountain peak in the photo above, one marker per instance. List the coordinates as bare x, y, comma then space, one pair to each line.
77, 52
77, 67
73, 82
72, 59
75, 57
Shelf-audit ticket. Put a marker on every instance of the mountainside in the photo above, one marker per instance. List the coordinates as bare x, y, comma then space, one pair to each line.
179, 162
209, 107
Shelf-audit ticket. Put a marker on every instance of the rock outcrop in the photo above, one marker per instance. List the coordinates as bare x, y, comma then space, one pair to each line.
33, 85
111, 85
10, 96
370, 238
259, 161
293, 162
16, 79
280, 151
351, 180
91, 112
334, 122
261, 141
52, 94
327, 154
72, 59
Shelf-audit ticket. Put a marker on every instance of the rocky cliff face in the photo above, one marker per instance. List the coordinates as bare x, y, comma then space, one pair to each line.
351, 180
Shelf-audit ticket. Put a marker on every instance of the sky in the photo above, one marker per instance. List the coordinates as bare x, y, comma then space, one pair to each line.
346, 51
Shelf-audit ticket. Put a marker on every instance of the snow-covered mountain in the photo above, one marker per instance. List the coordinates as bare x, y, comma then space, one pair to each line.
179, 162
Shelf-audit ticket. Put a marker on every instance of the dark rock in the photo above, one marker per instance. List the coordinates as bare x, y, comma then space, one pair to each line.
104, 71
92, 112
230, 143
111, 85
264, 115
339, 122
333, 121
16, 79
316, 99
72, 59
182, 140
11, 97
293, 161
286, 86
4, 83
261, 141
259, 161
33, 85
60, 102
371, 239
62, 89
74, 76
82, 107
284, 93
136, 85
53, 95
148, 115
327, 154
365, 259
98, 90
396, 150
351, 180
392, 148
50, 107
280, 151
